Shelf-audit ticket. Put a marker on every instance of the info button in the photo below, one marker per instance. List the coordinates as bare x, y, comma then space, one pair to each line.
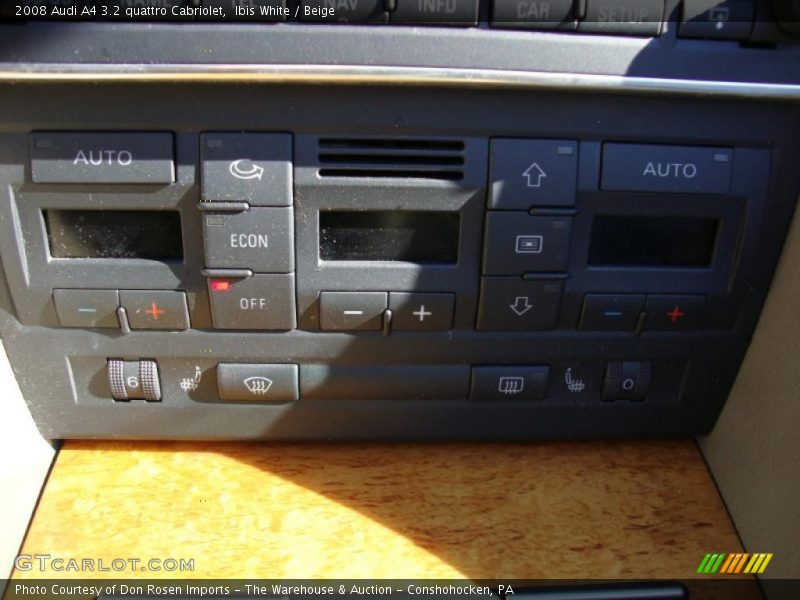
671, 169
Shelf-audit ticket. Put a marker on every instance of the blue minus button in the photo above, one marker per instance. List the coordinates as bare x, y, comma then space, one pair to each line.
611, 312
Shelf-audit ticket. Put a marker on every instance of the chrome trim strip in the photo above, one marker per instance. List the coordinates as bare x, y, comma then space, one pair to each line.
386, 75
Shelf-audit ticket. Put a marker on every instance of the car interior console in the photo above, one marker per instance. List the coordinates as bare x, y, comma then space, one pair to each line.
419, 220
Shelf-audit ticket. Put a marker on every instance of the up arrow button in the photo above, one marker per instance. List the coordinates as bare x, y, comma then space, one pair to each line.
526, 173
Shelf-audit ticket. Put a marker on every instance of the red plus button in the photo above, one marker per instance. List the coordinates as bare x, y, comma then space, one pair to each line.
154, 311
673, 312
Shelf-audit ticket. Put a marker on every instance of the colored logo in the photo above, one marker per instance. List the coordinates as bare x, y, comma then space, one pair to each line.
732, 564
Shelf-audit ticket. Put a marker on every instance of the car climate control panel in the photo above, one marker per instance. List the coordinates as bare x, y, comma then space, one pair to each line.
534, 272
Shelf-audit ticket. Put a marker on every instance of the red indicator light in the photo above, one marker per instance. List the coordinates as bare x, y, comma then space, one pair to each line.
219, 285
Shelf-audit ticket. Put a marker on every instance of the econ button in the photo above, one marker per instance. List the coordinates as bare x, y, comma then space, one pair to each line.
526, 173
102, 158
671, 169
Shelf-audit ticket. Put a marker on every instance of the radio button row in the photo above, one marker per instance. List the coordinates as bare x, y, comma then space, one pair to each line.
421, 311
102, 158
525, 173
674, 312
264, 302
516, 304
671, 169
257, 382
87, 308
155, 309
259, 239
509, 383
611, 312
352, 311
518, 243
247, 167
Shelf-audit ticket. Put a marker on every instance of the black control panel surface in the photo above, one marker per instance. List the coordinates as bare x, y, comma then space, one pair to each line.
273, 262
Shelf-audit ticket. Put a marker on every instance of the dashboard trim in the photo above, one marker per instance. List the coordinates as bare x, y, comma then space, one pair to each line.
388, 75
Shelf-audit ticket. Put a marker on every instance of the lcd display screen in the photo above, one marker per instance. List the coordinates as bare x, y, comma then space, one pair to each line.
644, 241
409, 236
152, 235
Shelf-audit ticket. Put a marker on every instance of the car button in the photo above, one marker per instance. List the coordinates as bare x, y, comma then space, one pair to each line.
352, 310
516, 304
625, 17
257, 382
257, 302
525, 173
155, 309
673, 312
509, 383
247, 167
676, 169
421, 311
534, 14
720, 19
87, 308
102, 158
518, 243
611, 312
259, 239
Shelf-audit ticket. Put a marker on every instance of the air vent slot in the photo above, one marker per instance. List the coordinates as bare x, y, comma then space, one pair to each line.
391, 158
